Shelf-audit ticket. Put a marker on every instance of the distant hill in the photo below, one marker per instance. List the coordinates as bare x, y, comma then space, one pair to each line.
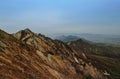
67, 38
95, 48
90, 47
97, 38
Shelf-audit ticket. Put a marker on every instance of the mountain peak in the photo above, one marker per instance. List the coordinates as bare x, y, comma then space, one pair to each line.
27, 30
22, 33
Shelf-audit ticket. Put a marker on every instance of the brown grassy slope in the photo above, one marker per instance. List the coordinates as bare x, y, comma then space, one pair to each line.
38, 57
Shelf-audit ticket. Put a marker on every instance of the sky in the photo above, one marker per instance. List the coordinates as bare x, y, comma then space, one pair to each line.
61, 16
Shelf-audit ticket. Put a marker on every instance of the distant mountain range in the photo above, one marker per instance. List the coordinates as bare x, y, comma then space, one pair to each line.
96, 38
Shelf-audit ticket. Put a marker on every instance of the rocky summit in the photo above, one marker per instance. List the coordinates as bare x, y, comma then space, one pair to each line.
27, 55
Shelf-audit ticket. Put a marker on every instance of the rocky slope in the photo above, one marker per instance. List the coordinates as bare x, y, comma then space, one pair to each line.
95, 48
108, 56
26, 55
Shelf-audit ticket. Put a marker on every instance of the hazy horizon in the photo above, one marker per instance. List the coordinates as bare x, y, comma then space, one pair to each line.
64, 16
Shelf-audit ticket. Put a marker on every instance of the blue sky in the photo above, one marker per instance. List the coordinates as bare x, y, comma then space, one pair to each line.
61, 16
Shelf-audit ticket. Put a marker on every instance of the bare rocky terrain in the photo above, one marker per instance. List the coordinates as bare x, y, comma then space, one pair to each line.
26, 55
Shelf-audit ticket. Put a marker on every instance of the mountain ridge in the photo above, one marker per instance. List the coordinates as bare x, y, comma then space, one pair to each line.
34, 56
96, 38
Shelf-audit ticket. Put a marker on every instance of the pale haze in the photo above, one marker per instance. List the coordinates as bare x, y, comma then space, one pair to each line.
61, 16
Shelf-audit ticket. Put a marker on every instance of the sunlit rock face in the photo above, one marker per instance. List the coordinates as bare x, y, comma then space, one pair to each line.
26, 55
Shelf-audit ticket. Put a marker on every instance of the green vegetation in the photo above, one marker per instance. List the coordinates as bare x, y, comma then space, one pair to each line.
110, 64
102, 56
95, 49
